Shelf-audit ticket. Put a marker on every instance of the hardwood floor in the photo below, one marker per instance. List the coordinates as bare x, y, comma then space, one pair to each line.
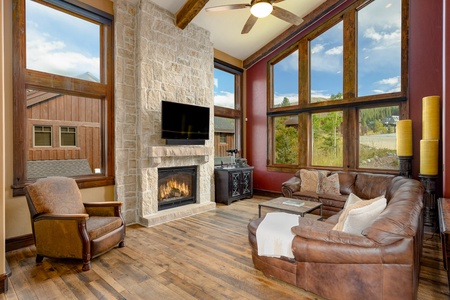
206, 256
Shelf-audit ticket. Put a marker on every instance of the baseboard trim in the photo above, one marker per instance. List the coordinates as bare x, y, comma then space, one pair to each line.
4, 279
267, 193
19, 242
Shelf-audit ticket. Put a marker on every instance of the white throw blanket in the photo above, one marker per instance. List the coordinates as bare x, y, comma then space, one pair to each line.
274, 236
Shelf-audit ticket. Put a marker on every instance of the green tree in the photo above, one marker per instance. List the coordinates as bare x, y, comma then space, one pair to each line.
327, 147
286, 139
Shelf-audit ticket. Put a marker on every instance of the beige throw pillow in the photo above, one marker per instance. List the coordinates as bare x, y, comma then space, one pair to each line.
309, 180
352, 199
360, 215
328, 185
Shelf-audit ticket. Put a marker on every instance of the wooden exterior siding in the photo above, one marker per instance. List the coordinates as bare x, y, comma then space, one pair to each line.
219, 148
73, 111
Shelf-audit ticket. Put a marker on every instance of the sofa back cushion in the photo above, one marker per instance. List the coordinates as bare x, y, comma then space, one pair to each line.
402, 215
368, 186
347, 182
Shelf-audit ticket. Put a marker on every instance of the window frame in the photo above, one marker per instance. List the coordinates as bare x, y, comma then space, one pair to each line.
350, 104
237, 112
31, 79
34, 135
75, 133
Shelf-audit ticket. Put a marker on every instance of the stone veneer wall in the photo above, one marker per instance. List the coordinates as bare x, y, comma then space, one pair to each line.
155, 61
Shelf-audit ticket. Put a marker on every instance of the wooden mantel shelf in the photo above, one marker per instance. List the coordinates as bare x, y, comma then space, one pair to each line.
156, 153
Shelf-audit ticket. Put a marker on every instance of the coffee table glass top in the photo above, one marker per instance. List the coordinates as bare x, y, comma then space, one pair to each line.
295, 206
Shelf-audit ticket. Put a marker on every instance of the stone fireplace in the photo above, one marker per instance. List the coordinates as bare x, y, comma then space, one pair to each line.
156, 61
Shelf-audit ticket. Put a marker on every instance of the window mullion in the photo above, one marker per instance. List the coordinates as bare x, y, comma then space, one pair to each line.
350, 61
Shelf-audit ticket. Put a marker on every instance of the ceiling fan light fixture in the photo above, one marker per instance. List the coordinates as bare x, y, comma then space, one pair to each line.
261, 9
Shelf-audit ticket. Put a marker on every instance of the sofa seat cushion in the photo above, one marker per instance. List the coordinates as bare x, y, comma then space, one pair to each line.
333, 200
99, 226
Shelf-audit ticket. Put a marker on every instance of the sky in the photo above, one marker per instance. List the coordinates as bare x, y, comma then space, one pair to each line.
72, 48
379, 50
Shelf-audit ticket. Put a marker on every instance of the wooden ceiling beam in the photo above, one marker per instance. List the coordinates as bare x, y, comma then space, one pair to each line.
188, 12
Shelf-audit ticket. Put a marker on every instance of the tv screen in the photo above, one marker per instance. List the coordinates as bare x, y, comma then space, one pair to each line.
184, 122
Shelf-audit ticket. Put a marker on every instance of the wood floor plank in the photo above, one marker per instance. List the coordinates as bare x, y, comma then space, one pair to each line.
205, 256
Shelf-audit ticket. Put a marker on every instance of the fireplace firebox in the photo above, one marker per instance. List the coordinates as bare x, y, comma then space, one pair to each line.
176, 186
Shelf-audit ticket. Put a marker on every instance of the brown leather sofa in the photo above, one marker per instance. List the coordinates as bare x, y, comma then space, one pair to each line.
364, 185
382, 263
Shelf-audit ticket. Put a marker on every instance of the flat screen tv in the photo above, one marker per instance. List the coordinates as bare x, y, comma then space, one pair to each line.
184, 124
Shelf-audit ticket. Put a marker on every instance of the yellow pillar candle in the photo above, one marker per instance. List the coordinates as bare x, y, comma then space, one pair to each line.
404, 138
429, 151
431, 118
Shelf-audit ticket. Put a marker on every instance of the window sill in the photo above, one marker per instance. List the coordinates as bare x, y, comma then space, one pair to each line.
82, 181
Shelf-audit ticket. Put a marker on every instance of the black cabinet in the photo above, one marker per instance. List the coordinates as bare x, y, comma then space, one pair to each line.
233, 183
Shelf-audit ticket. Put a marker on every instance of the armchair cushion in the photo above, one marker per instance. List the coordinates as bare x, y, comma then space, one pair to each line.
47, 196
99, 226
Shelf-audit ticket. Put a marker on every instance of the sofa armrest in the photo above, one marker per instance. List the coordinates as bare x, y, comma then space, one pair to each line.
291, 186
316, 243
105, 209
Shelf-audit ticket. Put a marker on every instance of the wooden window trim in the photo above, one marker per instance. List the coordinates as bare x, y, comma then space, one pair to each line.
237, 112
351, 102
24, 78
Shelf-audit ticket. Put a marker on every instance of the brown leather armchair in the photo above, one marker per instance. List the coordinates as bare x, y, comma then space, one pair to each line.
65, 227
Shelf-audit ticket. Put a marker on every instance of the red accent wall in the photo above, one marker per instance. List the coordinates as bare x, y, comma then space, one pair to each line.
425, 79
446, 105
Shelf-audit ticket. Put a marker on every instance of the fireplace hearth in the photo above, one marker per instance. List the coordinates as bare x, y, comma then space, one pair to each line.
176, 187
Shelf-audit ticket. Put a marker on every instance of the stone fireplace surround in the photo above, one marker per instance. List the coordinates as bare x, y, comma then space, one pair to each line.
156, 61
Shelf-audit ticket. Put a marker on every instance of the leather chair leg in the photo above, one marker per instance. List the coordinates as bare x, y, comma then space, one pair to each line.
86, 265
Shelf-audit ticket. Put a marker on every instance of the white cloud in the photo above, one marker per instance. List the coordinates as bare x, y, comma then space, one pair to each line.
387, 85
335, 51
50, 55
390, 81
320, 94
293, 98
216, 82
370, 33
224, 99
317, 48
289, 63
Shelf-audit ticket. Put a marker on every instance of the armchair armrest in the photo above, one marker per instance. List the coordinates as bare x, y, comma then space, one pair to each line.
291, 186
107, 209
61, 217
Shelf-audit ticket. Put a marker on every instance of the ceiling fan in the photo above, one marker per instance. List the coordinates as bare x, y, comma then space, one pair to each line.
260, 9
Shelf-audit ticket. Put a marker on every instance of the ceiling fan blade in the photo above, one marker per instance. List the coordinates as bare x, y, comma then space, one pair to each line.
227, 7
287, 16
249, 24
277, 1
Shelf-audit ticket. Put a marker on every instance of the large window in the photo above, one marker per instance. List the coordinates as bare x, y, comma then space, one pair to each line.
63, 92
341, 107
227, 111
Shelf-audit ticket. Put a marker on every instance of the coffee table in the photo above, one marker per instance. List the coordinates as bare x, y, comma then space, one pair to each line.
277, 204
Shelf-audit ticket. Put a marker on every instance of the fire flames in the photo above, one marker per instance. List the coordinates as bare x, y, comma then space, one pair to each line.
172, 189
